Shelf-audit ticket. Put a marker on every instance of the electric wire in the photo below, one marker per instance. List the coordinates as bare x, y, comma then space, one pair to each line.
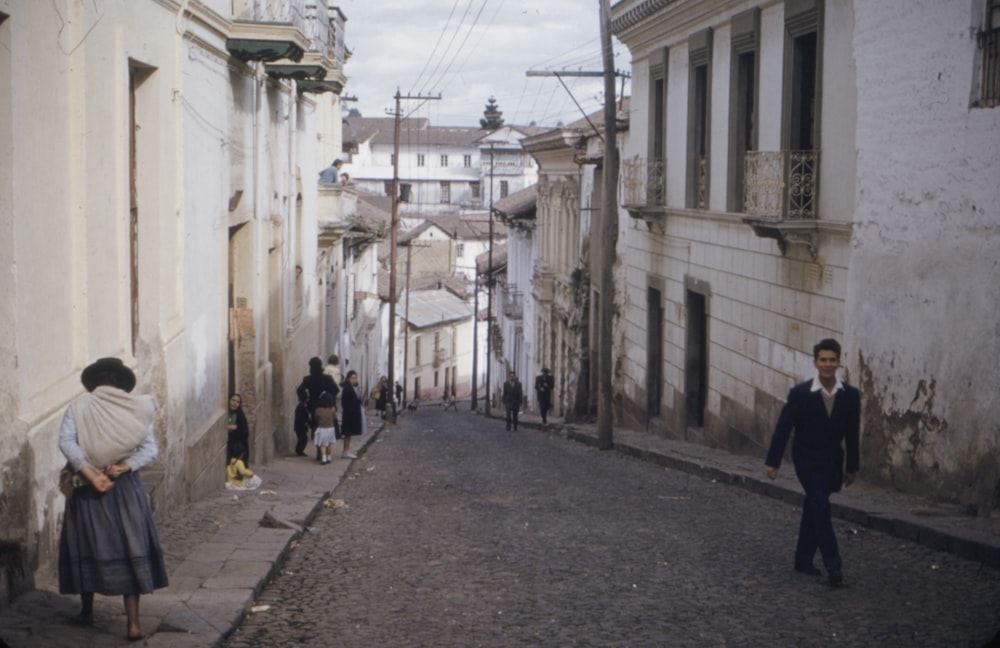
472, 28
447, 50
444, 30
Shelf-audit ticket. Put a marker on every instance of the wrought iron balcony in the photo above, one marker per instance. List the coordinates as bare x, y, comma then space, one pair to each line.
780, 185
318, 70
780, 196
644, 190
513, 304
268, 30
644, 182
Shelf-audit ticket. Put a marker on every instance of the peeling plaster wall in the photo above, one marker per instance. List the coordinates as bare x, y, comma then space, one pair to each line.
924, 297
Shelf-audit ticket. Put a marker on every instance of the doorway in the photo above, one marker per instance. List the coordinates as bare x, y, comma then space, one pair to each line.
696, 359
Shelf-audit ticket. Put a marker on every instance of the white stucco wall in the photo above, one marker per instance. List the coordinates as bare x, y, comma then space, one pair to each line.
924, 296
202, 134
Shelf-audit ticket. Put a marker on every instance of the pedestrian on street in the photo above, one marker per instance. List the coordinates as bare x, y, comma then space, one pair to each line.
109, 542
824, 413
302, 425
312, 387
381, 396
332, 369
237, 429
326, 433
352, 414
544, 385
399, 395
238, 476
449, 400
512, 397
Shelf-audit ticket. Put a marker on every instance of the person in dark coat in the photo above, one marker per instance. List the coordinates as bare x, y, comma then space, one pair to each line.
352, 422
237, 429
302, 426
312, 387
825, 414
512, 397
381, 393
544, 385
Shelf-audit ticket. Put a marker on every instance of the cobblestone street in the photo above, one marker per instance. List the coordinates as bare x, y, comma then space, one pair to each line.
454, 532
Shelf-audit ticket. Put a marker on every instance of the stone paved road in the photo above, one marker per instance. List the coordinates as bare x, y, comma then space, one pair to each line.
458, 533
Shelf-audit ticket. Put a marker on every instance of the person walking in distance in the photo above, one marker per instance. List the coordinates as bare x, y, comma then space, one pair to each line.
512, 397
544, 384
352, 416
825, 414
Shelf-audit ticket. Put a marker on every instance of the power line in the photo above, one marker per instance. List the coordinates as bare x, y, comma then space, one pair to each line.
447, 49
437, 44
464, 40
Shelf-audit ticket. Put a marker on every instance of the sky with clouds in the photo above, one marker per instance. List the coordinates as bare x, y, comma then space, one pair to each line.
470, 50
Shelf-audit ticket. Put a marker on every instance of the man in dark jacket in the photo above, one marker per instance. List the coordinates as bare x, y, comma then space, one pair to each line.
543, 391
824, 413
512, 396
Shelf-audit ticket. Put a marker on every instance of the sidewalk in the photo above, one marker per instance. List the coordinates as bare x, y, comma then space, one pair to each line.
221, 551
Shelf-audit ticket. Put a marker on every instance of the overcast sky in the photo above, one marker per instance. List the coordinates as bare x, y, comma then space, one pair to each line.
469, 50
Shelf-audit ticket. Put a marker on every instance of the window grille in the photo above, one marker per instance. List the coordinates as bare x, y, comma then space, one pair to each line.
989, 45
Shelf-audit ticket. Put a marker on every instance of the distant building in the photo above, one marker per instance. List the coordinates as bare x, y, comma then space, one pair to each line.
442, 169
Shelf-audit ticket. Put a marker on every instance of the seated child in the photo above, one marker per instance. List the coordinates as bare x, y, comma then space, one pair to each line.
238, 476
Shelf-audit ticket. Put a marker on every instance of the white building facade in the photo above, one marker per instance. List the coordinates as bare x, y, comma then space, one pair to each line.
791, 174
186, 196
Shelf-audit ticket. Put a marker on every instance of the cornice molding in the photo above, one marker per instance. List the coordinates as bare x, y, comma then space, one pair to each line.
637, 14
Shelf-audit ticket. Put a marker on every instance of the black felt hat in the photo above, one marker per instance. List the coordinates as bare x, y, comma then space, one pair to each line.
108, 371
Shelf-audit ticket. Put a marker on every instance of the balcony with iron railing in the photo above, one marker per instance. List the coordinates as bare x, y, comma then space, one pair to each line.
513, 304
268, 30
319, 68
780, 191
644, 189
440, 357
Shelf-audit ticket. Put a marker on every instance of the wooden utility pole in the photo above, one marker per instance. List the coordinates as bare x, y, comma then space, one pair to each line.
489, 294
609, 239
393, 238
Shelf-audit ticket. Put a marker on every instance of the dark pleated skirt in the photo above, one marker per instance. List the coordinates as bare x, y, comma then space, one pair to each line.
109, 544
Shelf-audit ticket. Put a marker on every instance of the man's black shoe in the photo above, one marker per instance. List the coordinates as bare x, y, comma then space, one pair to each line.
836, 579
807, 568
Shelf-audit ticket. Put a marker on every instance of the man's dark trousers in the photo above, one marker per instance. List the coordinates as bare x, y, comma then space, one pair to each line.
817, 472
511, 417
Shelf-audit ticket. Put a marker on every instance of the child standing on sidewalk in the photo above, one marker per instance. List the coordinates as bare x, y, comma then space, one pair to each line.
326, 433
301, 425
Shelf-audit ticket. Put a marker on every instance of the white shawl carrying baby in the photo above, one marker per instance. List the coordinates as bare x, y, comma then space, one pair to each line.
111, 423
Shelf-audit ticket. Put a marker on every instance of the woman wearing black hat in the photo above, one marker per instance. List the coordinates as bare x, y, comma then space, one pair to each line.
109, 543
